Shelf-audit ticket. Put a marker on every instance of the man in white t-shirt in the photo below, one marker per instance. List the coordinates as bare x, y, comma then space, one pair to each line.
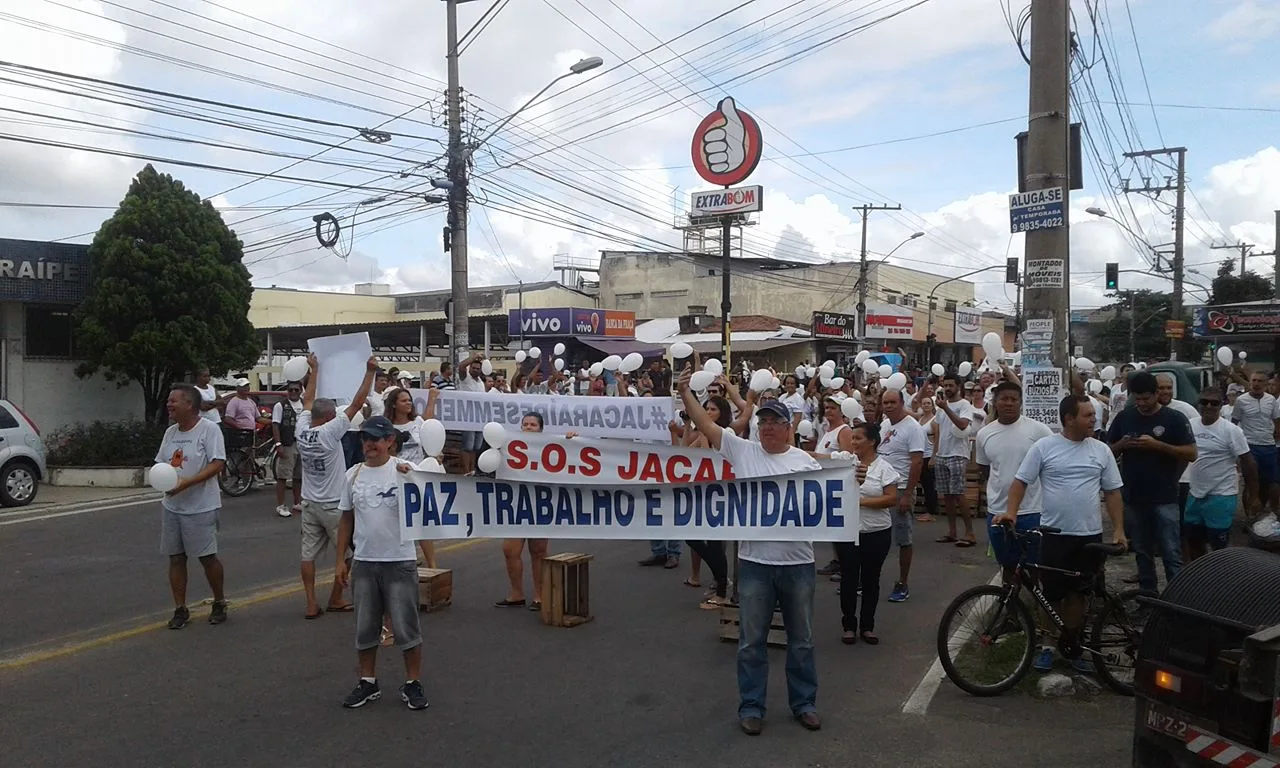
1213, 498
321, 429
1073, 469
1256, 413
951, 463
384, 571
902, 444
284, 428
769, 572
999, 449
471, 379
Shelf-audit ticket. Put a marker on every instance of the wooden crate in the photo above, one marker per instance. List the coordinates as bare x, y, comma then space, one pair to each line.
566, 588
730, 629
435, 589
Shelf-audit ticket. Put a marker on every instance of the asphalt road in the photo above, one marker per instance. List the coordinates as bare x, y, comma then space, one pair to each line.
91, 679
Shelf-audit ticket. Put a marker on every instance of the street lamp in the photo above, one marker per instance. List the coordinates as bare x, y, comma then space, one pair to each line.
913, 236
579, 67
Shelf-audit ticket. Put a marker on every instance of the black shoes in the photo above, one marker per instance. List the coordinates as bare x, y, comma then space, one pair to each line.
180, 617
218, 613
413, 696
362, 694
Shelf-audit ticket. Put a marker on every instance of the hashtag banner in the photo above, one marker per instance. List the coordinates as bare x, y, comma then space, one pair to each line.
631, 418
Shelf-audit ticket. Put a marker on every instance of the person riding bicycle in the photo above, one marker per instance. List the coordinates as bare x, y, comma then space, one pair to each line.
1073, 468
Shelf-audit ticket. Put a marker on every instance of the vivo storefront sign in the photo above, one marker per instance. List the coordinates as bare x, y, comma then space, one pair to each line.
571, 321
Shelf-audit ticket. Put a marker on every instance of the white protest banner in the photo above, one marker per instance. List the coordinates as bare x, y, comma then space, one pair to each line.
821, 505
541, 458
343, 361
634, 418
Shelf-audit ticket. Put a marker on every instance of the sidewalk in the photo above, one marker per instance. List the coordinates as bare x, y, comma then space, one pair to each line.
52, 498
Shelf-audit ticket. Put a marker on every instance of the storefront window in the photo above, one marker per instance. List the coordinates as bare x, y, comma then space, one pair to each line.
49, 332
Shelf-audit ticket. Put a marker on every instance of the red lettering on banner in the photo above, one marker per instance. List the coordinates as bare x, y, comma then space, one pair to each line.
652, 469
677, 463
628, 471
706, 471
554, 457
516, 456
589, 459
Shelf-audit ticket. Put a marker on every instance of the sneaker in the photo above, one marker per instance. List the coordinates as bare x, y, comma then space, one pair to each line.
412, 694
296, 509
900, 593
218, 613
829, 568
836, 577
1044, 662
1082, 666
180, 617
362, 694
283, 511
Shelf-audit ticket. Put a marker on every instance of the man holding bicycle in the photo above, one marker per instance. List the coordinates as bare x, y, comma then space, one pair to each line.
1072, 469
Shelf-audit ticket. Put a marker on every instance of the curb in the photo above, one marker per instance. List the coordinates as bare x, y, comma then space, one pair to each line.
80, 505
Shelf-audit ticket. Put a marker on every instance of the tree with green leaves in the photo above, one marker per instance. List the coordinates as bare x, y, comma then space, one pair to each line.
1149, 310
1230, 288
169, 293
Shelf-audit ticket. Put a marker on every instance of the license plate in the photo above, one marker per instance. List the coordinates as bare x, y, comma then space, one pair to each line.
1170, 722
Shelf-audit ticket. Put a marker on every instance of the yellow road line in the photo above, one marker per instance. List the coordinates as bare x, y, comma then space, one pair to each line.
266, 595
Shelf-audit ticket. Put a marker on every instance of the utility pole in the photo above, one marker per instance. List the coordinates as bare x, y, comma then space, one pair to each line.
866, 210
1133, 326
1048, 251
726, 301
456, 231
1244, 249
1178, 185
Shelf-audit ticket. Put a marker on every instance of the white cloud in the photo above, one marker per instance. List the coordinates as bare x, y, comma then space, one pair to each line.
1245, 25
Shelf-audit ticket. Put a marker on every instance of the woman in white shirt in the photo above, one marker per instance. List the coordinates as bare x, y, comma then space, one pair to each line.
861, 563
838, 436
928, 421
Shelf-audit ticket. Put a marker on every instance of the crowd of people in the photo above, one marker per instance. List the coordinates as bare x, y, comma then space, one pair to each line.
1166, 479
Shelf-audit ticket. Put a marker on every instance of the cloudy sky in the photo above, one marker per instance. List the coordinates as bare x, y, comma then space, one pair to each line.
862, 101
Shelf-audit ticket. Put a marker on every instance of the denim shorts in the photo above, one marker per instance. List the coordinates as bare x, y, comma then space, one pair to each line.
1213, 512
386, 589
1005, 548
903, 522
1265, 457
472, 442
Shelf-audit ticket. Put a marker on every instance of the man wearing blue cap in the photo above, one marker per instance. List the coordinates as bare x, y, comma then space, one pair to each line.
384, 572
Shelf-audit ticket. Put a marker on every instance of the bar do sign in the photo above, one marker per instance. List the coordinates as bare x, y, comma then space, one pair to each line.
727, 147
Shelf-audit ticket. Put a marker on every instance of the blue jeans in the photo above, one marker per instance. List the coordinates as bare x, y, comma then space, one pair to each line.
665, 548
1148, 526
760, 589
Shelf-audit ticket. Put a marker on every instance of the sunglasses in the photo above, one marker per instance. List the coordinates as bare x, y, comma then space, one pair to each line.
1211, 403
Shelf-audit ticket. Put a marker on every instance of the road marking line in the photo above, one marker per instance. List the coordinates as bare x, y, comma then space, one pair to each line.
266, 595
68, 513
918, 702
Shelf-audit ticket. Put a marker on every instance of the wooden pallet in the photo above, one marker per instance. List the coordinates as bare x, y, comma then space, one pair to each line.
730, 629
435, 589
566, 588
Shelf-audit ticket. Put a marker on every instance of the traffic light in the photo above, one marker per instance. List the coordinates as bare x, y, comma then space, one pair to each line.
1011, 270
1113, 276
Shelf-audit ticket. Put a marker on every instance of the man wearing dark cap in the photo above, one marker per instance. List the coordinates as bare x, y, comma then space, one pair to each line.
384, 572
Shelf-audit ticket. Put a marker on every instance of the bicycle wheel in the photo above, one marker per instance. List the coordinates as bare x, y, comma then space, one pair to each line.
1114, 639
986, 641
236, 478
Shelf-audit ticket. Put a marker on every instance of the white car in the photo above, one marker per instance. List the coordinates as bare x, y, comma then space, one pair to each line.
22, 457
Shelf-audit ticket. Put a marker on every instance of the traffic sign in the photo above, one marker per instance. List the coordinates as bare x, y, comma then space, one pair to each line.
727, 145
1041, 209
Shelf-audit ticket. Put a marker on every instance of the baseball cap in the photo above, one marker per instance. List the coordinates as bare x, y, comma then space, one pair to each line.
242, 383
378, 427
836, 397
776, 408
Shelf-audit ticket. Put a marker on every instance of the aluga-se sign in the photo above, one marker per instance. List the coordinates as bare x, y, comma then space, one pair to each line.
718, 202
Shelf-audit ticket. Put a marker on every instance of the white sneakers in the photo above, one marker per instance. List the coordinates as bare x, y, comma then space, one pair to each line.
283, 511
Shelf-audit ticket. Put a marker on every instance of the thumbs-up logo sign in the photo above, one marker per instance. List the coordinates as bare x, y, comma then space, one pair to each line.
727, 145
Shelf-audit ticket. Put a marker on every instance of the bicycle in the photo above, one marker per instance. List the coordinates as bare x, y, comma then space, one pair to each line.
247, 464
1005, 633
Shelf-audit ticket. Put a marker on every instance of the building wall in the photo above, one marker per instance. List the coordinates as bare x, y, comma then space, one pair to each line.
281, 306
48, 390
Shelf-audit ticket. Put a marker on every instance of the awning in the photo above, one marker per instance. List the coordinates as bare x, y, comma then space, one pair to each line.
624, 347
748, 345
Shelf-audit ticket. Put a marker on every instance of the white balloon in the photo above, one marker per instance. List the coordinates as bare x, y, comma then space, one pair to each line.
699, 381
1242, 355
826, 370
800, 369
431, 464
611, 363
1108, 373
489, 461
862, 355
851, 409
897, 381
558, 350
486, 367
596, 369
1142, 366
583, 372
760, 380
631, 362
965, 369
495, 434
713, 366
804, 428
1225, 355
991, 344
295, 368
869, 366
559, 364
938, 370
810, 372
1084, 364
829, 364
857, 395
885, 370
825, 381
775, 383
432, 436
535, 353
1095, 386
520, 356
680, 350
837, 383
164, 477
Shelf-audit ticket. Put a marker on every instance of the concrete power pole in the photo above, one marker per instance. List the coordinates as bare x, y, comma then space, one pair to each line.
1178, 184
866, 210
1244, 249
456, 244
1048, 251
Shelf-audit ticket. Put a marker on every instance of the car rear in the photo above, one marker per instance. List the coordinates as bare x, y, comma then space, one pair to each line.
22, 456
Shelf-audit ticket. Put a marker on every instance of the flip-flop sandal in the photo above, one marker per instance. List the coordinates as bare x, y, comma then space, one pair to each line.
966, 543
870, 639
535, 606
849, 638
316, 615
508, 603
692, 583
924, 518
946, 540
347, 608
